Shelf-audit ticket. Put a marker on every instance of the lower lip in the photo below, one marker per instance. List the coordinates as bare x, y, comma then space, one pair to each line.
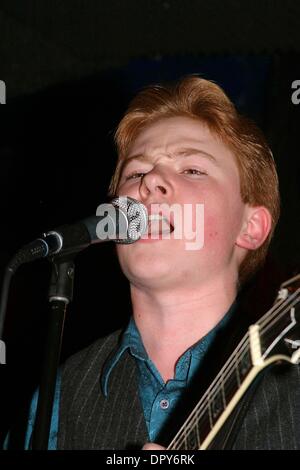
149, 240
156, 239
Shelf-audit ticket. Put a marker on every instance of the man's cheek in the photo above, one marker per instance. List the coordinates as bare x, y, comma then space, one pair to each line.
195, 230
213, 235
211, 226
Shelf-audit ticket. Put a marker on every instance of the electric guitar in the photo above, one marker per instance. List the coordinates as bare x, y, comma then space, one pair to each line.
275, 338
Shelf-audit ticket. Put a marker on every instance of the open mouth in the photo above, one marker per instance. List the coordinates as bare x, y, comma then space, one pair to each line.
159, 225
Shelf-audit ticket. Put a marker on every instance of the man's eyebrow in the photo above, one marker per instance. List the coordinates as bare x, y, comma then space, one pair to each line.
186, 152
183, 152
128, 160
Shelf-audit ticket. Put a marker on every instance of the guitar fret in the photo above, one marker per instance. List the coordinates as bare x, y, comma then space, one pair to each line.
216, 400
223, 391
192, 438
203, 426
245, 363
273, 327
209, 412
202, 423
197, 432
232, 384
217, 405
185, 447
226, 388
237, 372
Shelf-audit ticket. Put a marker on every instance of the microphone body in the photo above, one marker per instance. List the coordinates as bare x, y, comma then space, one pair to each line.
124, 220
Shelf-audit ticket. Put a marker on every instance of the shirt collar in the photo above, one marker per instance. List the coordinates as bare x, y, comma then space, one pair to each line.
131, 340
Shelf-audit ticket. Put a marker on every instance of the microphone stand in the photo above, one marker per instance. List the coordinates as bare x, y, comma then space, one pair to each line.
60, 295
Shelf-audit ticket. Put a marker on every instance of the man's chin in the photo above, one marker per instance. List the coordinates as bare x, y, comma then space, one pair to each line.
149, 276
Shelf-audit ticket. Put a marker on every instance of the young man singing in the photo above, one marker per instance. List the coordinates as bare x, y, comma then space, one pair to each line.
181, 146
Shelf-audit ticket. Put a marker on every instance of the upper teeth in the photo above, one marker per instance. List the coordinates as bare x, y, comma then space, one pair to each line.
158, 224
157, 217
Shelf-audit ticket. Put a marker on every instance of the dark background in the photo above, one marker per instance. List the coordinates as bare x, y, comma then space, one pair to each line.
70, 69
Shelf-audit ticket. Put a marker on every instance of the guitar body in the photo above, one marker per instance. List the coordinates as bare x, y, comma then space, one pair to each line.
272, 418
237, 410
267, 416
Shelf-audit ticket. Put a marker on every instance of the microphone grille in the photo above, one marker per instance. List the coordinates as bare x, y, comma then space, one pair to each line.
137, 217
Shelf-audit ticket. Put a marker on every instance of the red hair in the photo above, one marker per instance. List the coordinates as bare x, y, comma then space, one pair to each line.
205, 101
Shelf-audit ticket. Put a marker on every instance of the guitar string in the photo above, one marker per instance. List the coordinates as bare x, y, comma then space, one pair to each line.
271, 314
240, 349
275, 319
213, 386
195, 416
203, 422
198, 413
209, 392
198, 407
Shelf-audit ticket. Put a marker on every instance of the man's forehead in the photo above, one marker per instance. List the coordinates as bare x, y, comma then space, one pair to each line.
176, 137
181, 131
177, 152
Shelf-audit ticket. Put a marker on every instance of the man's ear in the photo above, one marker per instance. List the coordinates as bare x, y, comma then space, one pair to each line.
255, 229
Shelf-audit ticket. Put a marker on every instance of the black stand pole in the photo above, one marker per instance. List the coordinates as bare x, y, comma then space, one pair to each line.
60, 294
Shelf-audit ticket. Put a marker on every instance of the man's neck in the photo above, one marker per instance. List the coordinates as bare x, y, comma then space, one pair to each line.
171, 322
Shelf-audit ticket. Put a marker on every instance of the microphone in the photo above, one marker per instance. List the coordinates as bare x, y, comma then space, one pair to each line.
123, 220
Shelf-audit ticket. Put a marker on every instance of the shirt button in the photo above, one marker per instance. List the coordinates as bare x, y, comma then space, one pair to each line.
164, 404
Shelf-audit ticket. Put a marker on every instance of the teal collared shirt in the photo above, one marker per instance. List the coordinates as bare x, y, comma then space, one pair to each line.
157, 397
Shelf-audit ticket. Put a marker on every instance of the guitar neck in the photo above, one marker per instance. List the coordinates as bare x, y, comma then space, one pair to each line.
207, 413
250, 357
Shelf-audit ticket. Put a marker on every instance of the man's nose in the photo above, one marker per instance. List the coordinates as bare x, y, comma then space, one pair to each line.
154, 183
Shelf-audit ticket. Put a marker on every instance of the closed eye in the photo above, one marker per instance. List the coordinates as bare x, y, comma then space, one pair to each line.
134, 175
194, 171
190, 171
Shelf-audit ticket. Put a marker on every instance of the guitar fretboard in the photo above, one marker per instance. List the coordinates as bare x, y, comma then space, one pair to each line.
210, 408
272, 327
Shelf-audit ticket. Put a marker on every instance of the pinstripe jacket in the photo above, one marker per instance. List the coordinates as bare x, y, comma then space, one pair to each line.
270, 417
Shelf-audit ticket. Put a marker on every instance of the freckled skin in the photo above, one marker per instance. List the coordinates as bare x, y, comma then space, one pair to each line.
179, 295
167, 262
